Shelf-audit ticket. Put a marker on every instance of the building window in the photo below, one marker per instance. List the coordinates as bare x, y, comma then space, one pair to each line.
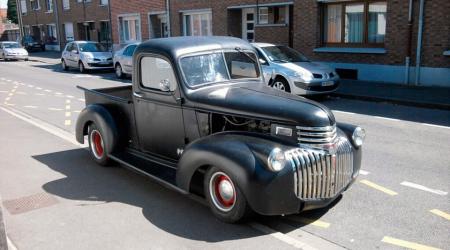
49, 5
103, 2
23, 6
273, 15
129, 28
355, 23
66, 4
35, 5
105, 34
197, 24
158, 25
52, 36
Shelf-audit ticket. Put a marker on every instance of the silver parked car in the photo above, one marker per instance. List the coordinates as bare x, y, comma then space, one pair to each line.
86, 55
288, 70
123, 60
12, 51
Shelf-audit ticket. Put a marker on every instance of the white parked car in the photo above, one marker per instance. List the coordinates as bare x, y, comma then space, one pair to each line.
12, 51
86, 55
288, 70
123, 60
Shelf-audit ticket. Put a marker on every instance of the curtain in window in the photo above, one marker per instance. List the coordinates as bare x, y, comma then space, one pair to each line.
333, 24
354, 21
377, 22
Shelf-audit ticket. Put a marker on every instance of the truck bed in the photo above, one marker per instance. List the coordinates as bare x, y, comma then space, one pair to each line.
121, 94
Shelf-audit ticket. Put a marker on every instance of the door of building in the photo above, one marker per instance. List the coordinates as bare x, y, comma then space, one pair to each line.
248, 24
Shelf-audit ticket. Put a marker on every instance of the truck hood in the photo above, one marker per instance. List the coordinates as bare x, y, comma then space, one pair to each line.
259, 101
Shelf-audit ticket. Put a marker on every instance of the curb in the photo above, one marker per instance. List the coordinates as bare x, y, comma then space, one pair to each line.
440, 106
3, 241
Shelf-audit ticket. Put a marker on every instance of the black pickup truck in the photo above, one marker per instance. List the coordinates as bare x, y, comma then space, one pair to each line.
199, 119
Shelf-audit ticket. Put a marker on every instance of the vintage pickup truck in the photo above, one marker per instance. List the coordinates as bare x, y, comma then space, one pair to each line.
199, 119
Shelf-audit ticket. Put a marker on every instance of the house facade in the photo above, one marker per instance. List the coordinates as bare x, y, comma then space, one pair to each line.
56, 22
373, 40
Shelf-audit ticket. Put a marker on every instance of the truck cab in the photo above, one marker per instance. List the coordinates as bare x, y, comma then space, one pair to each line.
199, 119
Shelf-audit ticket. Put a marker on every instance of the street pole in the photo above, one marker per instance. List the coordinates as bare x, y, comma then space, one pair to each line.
58, 28
19, 14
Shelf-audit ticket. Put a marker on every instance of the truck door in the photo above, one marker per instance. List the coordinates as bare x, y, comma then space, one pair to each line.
159, 117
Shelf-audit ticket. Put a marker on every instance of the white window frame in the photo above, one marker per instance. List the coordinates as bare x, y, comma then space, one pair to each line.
192, 13
265, 15
66, 4
38, 5
104, 2
23, 7
150, 24
54, 31
130, 16
49, 5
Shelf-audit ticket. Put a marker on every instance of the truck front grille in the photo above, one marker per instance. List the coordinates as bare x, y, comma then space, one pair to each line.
321, 174
316, 136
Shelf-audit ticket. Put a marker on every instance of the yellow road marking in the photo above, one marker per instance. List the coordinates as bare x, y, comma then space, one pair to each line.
67, 101
55, 109
67, 106
378, 187
317, 223
10, 94
67, 122
8, 98
68, 114
14, 90
406, 244
441, 213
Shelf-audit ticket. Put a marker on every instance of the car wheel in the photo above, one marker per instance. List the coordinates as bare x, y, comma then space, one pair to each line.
119, 72
225, 198
281, 84
81, 67
64, 65
97, 146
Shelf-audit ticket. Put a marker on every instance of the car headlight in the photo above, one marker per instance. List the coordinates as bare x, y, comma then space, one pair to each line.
276, 160
358, 136
88, 57
304, 75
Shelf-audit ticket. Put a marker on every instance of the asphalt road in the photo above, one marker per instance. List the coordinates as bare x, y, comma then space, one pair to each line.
400, 199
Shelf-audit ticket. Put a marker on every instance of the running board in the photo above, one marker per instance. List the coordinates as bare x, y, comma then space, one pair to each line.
159, 172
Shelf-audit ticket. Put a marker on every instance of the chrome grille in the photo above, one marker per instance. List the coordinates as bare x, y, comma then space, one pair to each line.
321, 174
316, 136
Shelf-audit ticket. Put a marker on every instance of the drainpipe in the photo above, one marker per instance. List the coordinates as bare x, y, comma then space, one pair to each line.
58, 28
419, 42
19, 13
110, 28
408, 49
169, 29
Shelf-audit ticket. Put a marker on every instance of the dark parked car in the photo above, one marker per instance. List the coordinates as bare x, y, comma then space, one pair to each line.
199, 119
30, 43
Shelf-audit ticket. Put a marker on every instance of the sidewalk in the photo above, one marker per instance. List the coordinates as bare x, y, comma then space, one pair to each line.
49, 57
427, 97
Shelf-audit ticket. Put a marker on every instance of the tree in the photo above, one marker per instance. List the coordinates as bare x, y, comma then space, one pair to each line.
12, 11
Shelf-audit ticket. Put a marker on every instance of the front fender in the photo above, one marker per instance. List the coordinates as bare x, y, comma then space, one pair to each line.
99, 115
244, 158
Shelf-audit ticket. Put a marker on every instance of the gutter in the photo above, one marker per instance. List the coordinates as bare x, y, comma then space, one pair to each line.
408, 49
419, 42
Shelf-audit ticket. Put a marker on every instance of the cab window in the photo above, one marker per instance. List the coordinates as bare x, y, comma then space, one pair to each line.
157, 74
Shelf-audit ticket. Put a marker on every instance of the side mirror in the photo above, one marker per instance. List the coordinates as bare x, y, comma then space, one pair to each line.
262, 61
164, 85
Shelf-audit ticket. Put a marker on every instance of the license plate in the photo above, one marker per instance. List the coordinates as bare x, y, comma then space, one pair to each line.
328, 83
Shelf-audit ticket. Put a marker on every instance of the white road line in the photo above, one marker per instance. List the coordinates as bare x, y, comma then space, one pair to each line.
280, 236
81, 99
363, 172
47, 90
11, 246
423, 188
55, 109
69, 96
30, 107
31, 86
3, 91
386, 118
38, 88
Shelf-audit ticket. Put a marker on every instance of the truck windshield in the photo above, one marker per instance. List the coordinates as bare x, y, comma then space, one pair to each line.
284, 54
219, 67
91, 47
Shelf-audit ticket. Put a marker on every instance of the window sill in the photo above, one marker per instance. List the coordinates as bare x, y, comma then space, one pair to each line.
272, 25
446, 53
350, 50
49, 12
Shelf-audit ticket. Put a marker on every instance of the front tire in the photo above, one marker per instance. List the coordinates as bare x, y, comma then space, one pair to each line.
281, 84
119, 71
81, 67
97, 146
64, 65
225, 198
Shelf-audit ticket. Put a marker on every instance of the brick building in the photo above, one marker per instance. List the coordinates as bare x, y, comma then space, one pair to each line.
137, 20
363, 39
56, 22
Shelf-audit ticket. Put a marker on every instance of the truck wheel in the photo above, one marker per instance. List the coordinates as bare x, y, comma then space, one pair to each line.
224, 197
97, 146
281, 84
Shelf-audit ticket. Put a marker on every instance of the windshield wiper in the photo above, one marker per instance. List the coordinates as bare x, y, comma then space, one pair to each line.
246, 54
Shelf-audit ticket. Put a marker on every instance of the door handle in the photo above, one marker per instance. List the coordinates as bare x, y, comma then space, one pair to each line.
137, 95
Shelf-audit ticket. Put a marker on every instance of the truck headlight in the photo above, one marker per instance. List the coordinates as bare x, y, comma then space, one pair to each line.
358, 136
276, 160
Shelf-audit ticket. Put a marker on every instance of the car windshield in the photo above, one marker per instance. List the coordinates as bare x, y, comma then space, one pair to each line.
11, 45
91, 47
219, 67
284, 54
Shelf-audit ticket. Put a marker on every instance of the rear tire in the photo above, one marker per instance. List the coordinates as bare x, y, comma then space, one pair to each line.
225, 198
119, 72
97, 146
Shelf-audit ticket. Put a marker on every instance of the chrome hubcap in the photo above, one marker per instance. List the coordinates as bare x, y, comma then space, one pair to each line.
222, 191
97, 146
118, 70
279, 86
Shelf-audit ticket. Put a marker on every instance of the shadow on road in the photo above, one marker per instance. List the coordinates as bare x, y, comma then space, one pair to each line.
406, 113
168, 210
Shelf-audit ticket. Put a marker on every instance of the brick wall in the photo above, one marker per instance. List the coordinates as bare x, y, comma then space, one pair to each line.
141, 7
272, 34
3, 14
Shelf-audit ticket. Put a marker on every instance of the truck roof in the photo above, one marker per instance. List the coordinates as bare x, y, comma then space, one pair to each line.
178, 46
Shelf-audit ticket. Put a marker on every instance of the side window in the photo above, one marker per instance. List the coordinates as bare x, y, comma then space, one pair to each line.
157, 74
69, 47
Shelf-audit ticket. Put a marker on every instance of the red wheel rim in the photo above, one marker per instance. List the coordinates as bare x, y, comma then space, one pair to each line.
223, 192
97, 144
